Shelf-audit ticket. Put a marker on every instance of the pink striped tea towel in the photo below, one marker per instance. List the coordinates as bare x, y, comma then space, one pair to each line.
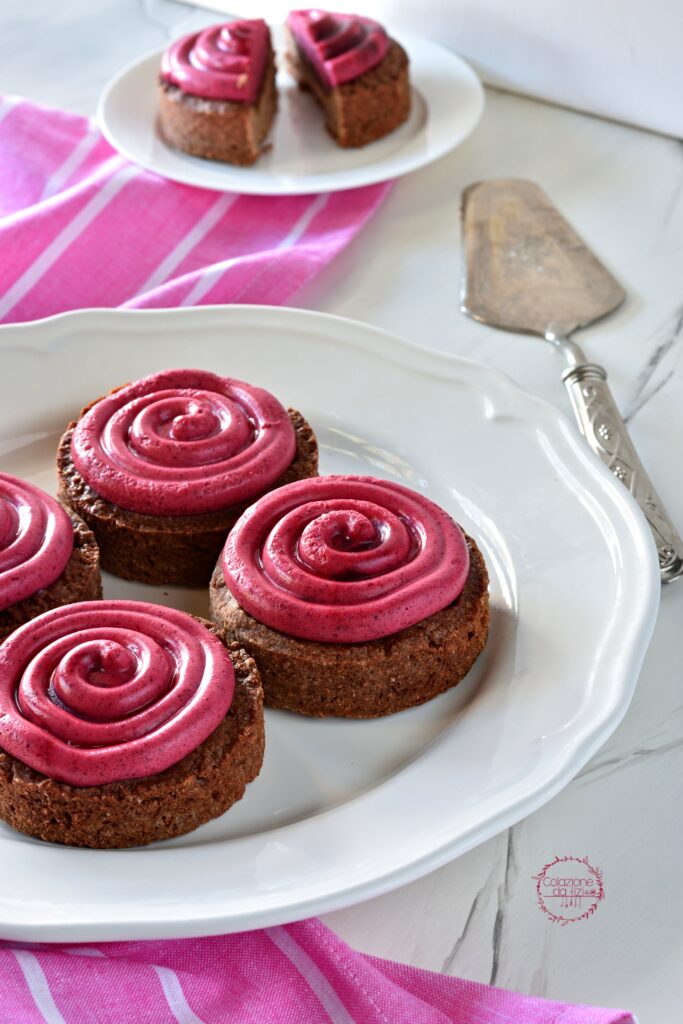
80, 227
298, 974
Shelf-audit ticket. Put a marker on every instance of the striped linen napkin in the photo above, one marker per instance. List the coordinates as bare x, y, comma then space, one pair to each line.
81, 227
298, 974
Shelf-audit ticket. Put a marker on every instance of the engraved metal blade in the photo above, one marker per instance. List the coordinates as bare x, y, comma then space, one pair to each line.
525, 268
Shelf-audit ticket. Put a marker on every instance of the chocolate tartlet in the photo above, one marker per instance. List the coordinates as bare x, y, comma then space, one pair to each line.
161, 469
354, 71
174, 731
356, 597
217, 92
48, 557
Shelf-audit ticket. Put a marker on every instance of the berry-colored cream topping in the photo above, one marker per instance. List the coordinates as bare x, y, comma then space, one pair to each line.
103, 691
36, 540
344, 559
183, 442
341, 47
223, 62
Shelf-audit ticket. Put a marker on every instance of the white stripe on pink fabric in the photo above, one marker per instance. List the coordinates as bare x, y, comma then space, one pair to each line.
65, 238
311, 974
175, 996
296, 973
39, 988
210, 277
79, 154
186, 244
241, 242
84, 951
160, 244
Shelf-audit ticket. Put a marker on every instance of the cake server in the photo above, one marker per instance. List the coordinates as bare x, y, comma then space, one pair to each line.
526, 270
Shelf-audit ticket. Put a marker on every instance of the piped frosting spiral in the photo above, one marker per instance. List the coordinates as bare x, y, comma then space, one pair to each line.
341, 47
103, 691
344, 559
183, 442
223, 62
36, 540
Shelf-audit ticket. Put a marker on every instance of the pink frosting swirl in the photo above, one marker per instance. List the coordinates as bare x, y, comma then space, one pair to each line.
36, 540
340, 47
344, 559
183, 442
103, 691
223, 62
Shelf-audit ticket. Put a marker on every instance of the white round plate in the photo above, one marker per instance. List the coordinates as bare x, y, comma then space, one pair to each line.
345, 810
448, 100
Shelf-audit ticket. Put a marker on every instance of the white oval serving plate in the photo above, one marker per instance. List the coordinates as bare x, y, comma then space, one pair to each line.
448, 101
345, 810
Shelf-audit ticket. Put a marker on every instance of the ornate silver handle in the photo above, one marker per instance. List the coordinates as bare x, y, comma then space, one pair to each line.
606, 433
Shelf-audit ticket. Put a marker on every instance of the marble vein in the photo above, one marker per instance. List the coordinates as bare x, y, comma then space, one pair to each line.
643, 393
503, 897
648, 396
539, 980
599, 769
462, 938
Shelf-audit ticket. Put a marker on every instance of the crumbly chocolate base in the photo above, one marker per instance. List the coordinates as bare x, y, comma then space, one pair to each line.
367, 108
80, 581
364, 680
180, 550
140, 811
232, 133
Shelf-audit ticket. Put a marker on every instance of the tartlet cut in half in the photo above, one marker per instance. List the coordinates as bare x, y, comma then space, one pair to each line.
217, 92
356, 73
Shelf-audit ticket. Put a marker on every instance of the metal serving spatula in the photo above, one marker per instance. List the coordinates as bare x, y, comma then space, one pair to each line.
527, 270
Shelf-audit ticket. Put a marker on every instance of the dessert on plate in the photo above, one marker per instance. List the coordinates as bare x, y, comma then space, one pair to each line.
355, 596
48, 557
356, 73
162, 468
217, 92
122, 723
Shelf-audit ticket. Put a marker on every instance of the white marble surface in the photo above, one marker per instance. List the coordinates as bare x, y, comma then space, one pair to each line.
623, 190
